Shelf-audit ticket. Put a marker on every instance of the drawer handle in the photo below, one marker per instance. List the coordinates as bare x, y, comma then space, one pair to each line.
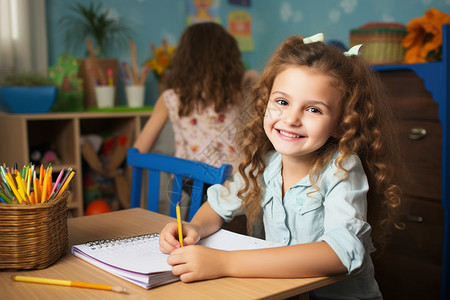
415, 219
417, 133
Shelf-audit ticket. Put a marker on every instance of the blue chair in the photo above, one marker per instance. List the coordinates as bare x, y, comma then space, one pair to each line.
200, 173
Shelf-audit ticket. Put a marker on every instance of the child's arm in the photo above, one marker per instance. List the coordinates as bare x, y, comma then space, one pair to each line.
313, 259
204, 223
206, 220
153, 127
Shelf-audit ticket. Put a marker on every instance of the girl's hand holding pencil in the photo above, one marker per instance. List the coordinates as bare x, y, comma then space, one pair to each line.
28, 188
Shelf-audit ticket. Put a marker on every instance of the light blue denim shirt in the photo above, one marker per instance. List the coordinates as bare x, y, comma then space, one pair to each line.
336, 214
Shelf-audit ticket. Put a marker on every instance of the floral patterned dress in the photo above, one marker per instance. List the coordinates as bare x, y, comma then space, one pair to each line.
208, 137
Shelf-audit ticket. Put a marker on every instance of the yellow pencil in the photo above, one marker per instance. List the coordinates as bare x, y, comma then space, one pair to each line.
66, 183
44, 189
180, 228
37, 191
97, 286
11, 184
21, 186
28, 181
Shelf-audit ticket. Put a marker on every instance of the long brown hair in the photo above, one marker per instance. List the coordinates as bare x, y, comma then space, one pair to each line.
366, 128
207, 69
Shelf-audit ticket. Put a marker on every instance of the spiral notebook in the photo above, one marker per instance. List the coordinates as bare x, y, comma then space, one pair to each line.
139, 260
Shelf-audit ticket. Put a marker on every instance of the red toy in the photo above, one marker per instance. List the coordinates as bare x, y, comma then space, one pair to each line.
97, 207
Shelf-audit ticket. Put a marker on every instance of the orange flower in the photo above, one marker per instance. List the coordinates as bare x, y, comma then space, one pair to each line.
424, 39
162, 58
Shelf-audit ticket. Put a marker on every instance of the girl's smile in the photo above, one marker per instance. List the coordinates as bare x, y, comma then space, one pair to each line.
288, 135
302, 111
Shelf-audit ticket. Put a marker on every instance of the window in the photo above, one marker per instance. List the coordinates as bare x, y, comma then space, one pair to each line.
23, 41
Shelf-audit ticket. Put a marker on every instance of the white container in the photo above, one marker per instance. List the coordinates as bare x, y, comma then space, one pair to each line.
135, 95
105, 95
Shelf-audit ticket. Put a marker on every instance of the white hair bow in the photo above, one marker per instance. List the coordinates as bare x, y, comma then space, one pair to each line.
320, 38
314, 38
353, 50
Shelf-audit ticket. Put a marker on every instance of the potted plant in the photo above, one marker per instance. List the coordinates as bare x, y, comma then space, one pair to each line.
95, 22
107, 32
27, 93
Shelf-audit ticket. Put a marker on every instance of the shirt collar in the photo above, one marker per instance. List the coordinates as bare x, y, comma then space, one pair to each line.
273, 170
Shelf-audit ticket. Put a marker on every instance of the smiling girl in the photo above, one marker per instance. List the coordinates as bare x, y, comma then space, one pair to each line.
316, 172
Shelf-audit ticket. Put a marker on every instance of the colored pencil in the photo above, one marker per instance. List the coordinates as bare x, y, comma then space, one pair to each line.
5, 197
66, 183
41, 174
98, 72
44, 189
134, 63
70, 283
57, 182
11, 184
180, 228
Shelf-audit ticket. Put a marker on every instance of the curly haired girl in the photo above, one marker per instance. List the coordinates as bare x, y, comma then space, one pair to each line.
204, 89
313, 140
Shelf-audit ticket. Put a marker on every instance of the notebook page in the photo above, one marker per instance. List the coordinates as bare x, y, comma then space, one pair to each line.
134, 255
230, 241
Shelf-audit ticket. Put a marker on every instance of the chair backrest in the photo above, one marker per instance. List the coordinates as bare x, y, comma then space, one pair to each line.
200, 173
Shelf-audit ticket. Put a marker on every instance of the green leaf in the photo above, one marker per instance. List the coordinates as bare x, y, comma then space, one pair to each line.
93, 21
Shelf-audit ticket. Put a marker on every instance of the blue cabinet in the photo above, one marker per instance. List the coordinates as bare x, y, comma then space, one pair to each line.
436, 77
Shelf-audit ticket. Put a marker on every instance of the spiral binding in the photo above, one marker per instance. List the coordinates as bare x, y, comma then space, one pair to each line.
98, 244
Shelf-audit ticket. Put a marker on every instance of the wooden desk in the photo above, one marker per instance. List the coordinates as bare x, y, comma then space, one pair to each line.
132, 222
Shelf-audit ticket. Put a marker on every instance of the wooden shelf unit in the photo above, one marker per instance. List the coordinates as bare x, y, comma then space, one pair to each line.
62, 131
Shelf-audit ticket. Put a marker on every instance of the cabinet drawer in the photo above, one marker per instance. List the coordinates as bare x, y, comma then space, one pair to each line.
422, 236
410, 266
409, 97
422, 159
402, 278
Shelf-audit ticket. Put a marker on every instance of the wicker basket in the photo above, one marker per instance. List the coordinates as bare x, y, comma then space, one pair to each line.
382, 42
33, 236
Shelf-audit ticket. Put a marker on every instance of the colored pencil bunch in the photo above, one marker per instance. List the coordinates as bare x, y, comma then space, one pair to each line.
133, 75
29, 187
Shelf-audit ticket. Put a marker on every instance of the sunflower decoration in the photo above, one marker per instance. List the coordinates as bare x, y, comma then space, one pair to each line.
161, 60
423, 42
